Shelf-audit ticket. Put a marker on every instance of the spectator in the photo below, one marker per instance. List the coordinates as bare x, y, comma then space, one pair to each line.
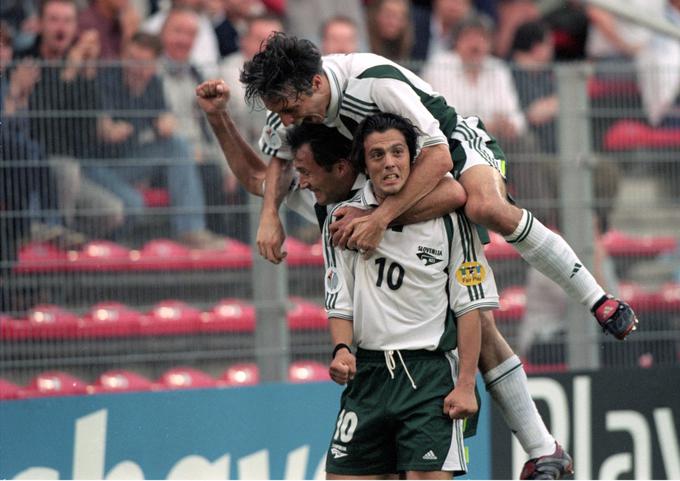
249, 121
144, 140
434, 31
339, 35
18, 178
477, 83
179, 78
389, 29
22, 20
205, 52
511, 14
303, 17
611, 38
114, 20
569, 24
658, 70
232, 21
532, 55
66, 88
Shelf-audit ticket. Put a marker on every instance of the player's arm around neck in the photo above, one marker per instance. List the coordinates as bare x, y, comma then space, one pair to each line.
430, 166
446, 197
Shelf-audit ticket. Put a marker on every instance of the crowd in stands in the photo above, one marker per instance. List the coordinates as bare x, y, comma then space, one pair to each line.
82, 132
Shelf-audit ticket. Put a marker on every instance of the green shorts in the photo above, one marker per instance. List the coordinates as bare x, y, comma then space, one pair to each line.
386, 426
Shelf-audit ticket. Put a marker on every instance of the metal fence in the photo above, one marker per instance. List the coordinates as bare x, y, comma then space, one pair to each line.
97, 271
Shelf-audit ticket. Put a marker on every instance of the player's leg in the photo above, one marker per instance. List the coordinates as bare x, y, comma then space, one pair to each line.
543, 249
507, 384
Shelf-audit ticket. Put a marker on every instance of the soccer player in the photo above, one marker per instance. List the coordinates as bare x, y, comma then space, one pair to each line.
413, 311
325, 177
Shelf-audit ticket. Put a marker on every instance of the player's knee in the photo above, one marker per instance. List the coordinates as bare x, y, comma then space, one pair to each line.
491, 212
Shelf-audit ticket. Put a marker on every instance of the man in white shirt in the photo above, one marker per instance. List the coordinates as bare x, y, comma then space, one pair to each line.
325, 177
413, 311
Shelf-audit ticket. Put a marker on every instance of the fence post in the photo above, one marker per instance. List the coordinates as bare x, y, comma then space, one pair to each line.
576, 202
270, 295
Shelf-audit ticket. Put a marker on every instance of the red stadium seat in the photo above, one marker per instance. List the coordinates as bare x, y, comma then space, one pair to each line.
41, 257
53, 383
162, 254
302, 254
120, 380
307, 371
622, 88
306, 315
186, 378
235, 255
499, 249
513, 301
229, 315
101, 255
111, 319
618, 244
639, 299
50, 321
8, 390
242, 374
170, 317
531, 368
631, 135
155, 197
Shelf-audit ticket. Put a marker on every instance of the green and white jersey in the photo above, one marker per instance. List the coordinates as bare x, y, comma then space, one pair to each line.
364, 84
409, 293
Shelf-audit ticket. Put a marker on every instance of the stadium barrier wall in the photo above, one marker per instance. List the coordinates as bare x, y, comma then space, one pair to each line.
616, 423
273, 431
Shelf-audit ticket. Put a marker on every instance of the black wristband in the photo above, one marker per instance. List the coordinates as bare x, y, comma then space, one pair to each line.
339, 346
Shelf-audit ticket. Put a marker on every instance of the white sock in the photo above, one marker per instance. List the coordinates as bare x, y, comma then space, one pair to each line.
507, 385
550, 254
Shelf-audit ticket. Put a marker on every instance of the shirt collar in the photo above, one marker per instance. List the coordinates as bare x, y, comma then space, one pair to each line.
368, 195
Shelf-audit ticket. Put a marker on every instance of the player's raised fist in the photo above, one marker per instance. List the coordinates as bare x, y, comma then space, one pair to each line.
213, 96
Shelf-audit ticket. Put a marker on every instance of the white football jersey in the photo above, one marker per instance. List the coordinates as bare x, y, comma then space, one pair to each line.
409, 292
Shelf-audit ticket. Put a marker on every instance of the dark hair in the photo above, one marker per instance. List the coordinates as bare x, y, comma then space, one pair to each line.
527, 35
283, 66
6, 33
473, 22
43, 4
147, 40
383, 122
328, 145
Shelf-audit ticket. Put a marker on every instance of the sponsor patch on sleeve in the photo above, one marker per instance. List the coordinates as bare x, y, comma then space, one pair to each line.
470, 274
271, 137
332, 280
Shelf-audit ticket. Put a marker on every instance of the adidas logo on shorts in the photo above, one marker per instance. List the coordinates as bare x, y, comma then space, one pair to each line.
430, 456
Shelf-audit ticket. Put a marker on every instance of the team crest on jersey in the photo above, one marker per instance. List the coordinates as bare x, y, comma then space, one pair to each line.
332, 280
428, 255
271, 137
470, 274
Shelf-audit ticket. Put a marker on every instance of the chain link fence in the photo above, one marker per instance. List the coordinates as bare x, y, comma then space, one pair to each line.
125, 245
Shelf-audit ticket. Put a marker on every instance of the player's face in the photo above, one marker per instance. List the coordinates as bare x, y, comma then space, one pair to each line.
325, 185
302, 108
387, 161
